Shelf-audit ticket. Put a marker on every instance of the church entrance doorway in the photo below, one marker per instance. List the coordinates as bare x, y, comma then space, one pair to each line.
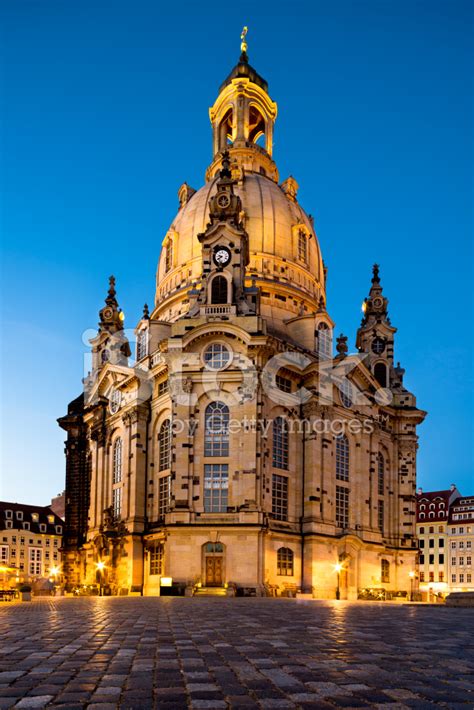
214, 564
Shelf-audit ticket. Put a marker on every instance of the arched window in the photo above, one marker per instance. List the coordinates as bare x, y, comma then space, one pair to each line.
169, 255
342, 457
346, 393
380, 473
256, 125
280, 443
117, 461
225, 130
164, 444
216, 429
285, 559
385, 570
380, 374
302, 246
219, 290
142, 344
324, 344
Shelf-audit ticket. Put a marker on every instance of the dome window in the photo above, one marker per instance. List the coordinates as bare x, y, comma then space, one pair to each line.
169, 256
302, 246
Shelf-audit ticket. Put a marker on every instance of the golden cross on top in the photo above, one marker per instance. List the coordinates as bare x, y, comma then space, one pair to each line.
243, 44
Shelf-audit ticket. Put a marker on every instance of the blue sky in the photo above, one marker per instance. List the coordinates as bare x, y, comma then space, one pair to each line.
105, 115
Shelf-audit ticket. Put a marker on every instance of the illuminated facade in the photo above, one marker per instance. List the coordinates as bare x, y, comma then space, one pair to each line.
237, 453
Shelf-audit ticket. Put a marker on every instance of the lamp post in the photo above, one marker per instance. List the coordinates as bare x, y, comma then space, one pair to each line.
411, 574
338, 568
100, 567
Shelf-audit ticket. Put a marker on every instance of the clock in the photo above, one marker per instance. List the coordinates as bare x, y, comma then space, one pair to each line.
221, 256
378, 302
107, 313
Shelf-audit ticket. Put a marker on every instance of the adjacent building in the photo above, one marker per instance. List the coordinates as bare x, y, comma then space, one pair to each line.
445, 530
243, 448
30, 544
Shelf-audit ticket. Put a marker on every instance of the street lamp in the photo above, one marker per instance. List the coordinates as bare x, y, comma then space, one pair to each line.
338, 568
100, 567
411, 574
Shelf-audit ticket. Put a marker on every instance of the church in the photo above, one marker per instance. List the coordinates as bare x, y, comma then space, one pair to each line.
229, 444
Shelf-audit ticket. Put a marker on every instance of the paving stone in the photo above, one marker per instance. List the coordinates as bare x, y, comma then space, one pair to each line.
39, 701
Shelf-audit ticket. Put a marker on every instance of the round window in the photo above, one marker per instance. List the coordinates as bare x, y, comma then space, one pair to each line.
378, 346
216, 356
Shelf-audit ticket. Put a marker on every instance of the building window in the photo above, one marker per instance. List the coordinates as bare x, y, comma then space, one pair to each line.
9, 514
285, 562
441, 528
380, 515
302, 246
324, 341
421, 544
342, 507
26, 526
461, 544
219, 290
468, 577
216, 429
216, 356
422, 576
468, 560
283, 383
342, 457
422, 530
381, 474
461, 561
34, 559
142, 344
440, 576
169, 255
59, 529
163, 387
453, 561
453, 578
42, 527
4, 553
422, 559
156, 559
117, 461
279, 497
346, 393
216, 487
380, 374
19, 515
441, 559
431, 574
385, 570
280, 443
9, 524
164, 446
453, 545
164, 495
468, 543
431, 542
34, 517
461, 578
431, 529
431, 559
441, 542
117, 503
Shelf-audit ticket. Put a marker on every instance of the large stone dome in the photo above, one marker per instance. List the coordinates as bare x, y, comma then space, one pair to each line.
290, 279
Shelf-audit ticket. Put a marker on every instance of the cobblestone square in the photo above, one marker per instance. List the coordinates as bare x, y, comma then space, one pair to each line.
176, 653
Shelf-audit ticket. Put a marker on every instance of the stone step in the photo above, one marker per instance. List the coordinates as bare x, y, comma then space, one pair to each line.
210, 592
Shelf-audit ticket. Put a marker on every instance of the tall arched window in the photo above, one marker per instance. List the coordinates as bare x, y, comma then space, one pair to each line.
302, 246
342, 457
280, 443
380, 374
385, 570
117, 461
164, 444
380, 473
216, 429
219, 289
285, 559
169, 255
324, 343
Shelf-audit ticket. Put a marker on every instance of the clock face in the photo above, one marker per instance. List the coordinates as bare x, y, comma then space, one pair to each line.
107, 313
378, 302
221, 256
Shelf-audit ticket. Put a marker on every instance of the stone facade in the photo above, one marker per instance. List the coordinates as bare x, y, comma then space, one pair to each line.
237, 452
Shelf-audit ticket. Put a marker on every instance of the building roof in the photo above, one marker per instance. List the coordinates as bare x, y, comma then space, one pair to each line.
462, 510
35, 515
432, 506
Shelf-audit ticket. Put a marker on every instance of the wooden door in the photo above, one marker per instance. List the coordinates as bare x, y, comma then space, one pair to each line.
213, 571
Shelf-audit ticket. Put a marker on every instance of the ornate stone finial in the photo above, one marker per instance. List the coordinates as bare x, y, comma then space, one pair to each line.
243, 45
375, 276
146, 312
112, 286
341, 346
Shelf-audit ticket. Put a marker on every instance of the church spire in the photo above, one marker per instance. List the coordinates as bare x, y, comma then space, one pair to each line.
242, 120
375, 305
111, 315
